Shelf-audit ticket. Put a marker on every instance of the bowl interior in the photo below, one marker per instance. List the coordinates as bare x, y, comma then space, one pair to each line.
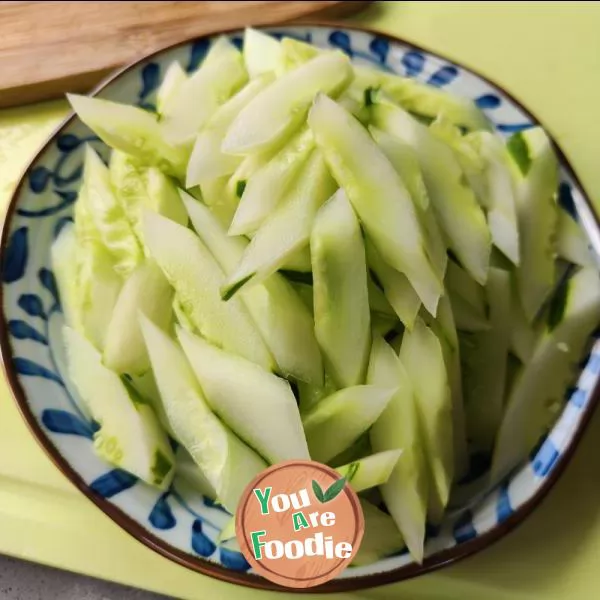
180, 523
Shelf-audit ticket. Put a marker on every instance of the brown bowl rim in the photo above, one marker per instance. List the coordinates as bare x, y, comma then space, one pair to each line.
200, 565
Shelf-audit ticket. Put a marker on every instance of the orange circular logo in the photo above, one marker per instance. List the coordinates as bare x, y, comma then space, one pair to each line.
299, 524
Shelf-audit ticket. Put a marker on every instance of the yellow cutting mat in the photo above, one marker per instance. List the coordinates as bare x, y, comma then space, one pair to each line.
549, 57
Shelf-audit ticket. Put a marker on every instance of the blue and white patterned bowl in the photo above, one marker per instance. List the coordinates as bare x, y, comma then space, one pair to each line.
179, 524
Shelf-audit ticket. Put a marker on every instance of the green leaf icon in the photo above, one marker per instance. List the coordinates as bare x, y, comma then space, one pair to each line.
318, 491
334, 489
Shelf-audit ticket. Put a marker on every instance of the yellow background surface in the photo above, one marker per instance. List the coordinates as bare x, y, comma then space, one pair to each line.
548, 56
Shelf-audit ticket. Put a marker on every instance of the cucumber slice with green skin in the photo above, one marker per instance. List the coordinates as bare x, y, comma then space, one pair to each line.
217, 195
305, 293
174, 78
311, 394
63, 253
424, 100
484, 366
340, 291
337, 421
246, 397
207, 161
147, 291
404, 160
383, 325
299, 260
228, 464
499, 201
537, 213
378, 303
467, 299
220, 75
137, 187
283, 234
523, 334
284, 323
397, 289
295, 53
370, 471
130, 129
109, 215
377, 194
267, 187
129, 436
262, 53
278, 110
423, 356
460, 217
145, 386
381, 538
197, 279
571, 243
538, 390
406, 490
188, 474
360, 449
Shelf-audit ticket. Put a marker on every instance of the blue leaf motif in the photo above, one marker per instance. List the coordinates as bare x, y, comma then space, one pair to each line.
162, 516
67, 142
513, 127
233, 560
341, 40
61, 421
23, 331
200, 543
443, 76
74, 175
199, 49
15, 258
413, 63
112, 483
24, 366
380, 48
488, 101
38, 179
503, 508
67, 198
47, 279
60, 224
32, 305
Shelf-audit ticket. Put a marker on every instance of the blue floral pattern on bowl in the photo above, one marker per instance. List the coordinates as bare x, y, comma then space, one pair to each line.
179, 523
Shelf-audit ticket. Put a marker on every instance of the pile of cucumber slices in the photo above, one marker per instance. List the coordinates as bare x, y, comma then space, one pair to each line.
297, 258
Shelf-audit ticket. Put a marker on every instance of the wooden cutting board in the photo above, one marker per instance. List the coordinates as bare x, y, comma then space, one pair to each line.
49, 48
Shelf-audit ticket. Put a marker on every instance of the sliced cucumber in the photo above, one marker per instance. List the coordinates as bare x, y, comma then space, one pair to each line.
207, 162
217, 195
571, 242
538, 391
63, 253
337, 421
108, 215
381, 538
287, 230
245, 397
397, 289
537, 214
370, 471
523, 334
299, 260
455, 205
174, 78
378, 303
197, 279
145, 386
305, 293
130, 129
424, 100
129, 436
262, 53
188, 474
283, 321
341, 302
295, 53
406, 491
278, 110
228, 464
311, 394
484, 365
377, 194
467, 298
422, 355
267, 187
220, 75
146, 291
360, 449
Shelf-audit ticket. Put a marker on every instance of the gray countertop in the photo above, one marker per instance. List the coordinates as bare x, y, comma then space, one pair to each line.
27, 581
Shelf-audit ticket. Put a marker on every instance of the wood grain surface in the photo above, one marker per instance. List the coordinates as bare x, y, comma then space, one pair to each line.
49, 48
